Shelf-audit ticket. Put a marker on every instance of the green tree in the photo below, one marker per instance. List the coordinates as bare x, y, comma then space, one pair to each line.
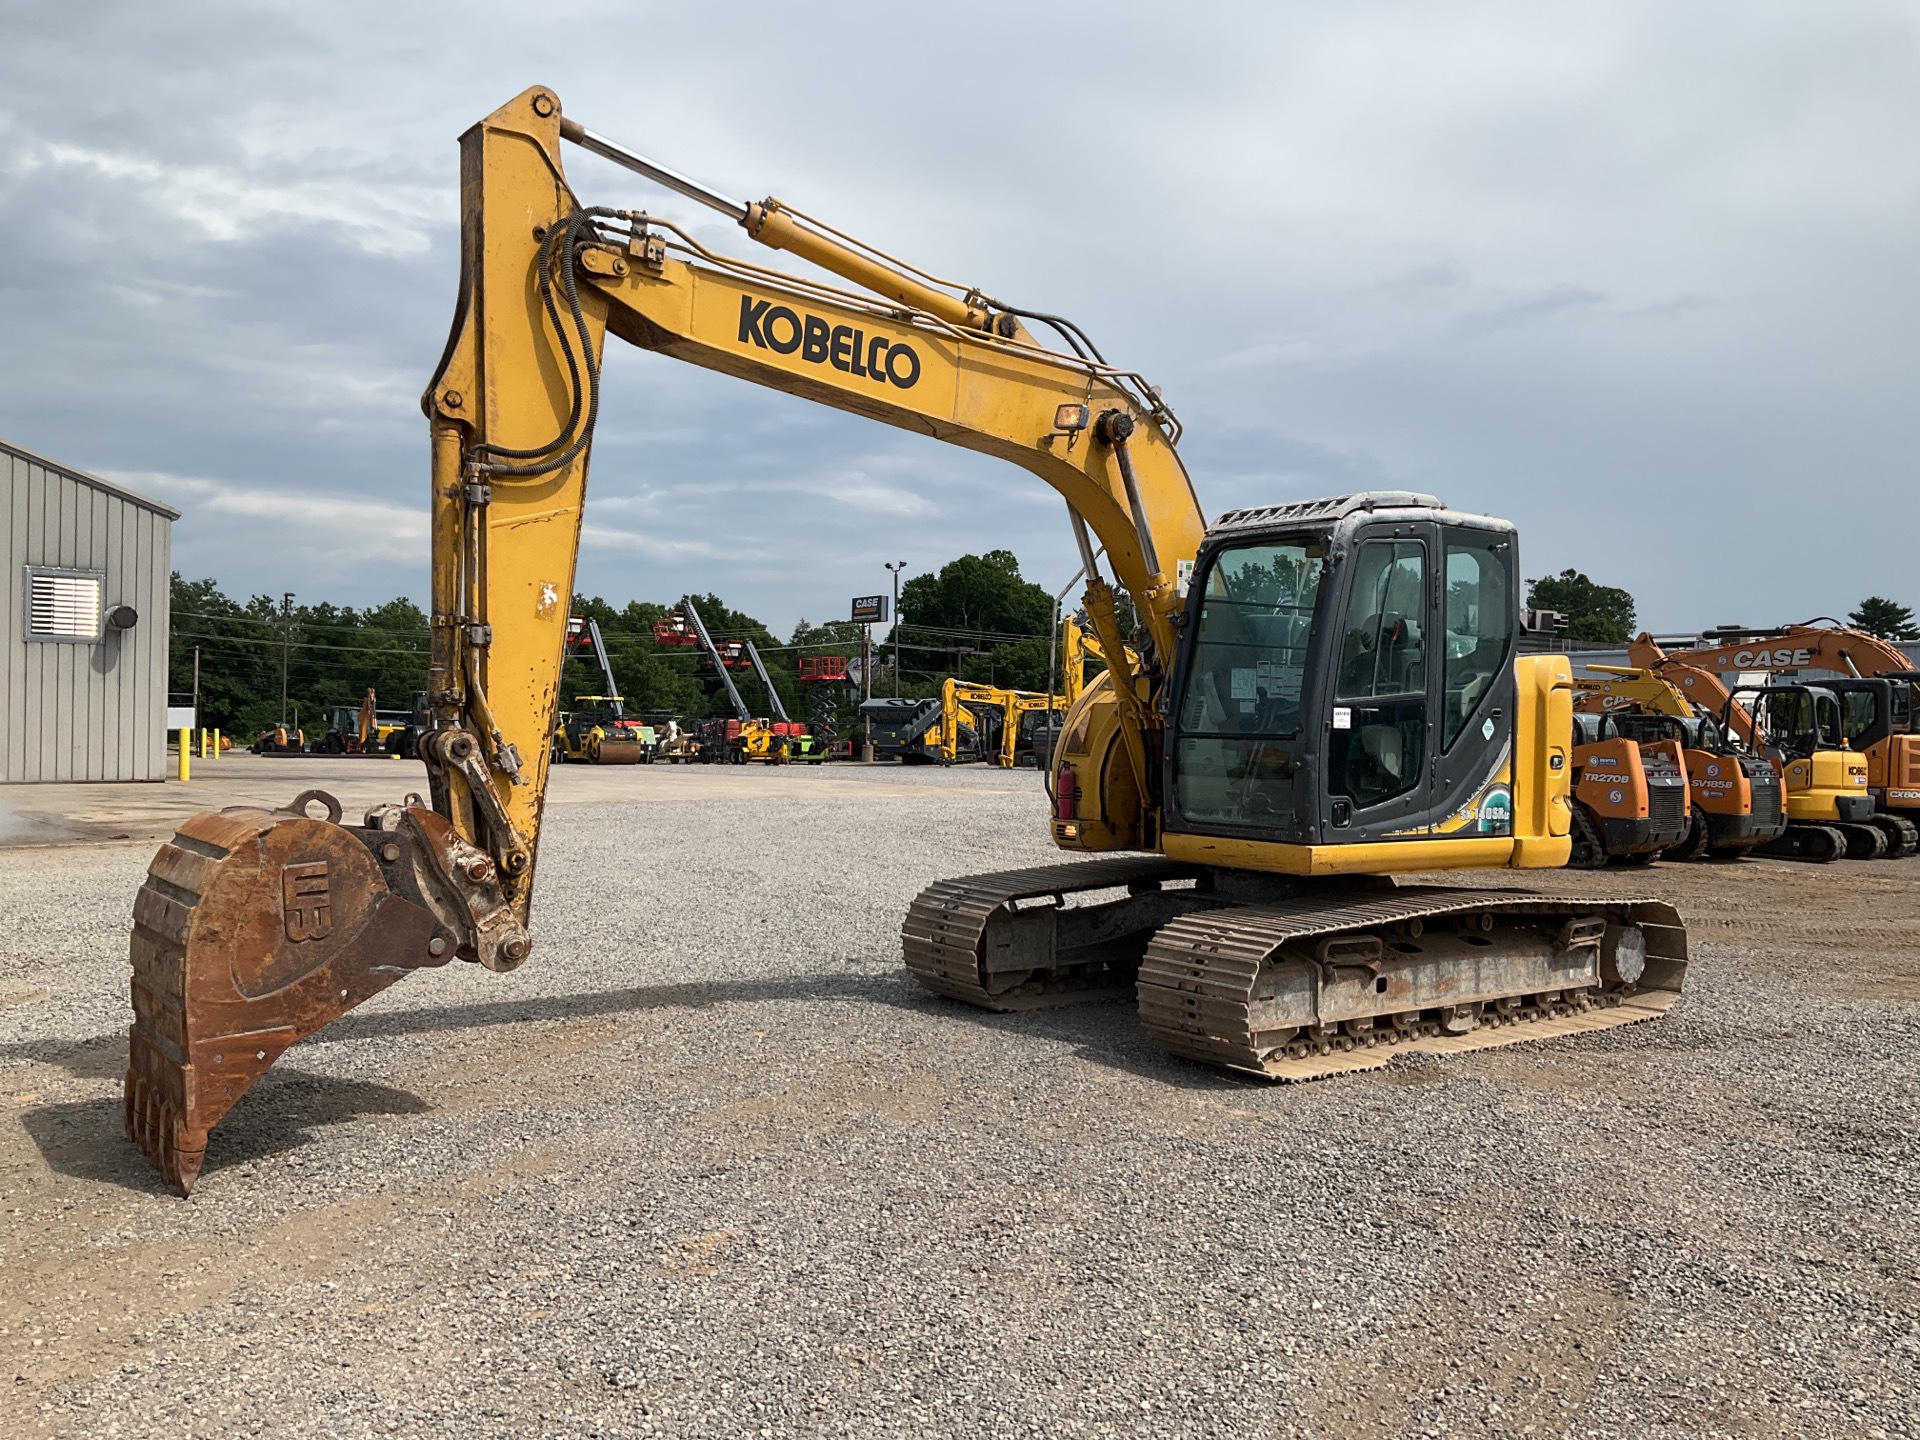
1884, 618
333, 655
1021, 665
335, 652
977, 603
1594, 612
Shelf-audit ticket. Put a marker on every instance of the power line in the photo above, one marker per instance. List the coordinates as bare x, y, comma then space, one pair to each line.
300, 644
418, 632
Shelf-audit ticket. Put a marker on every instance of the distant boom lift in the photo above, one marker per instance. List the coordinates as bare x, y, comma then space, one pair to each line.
747, 736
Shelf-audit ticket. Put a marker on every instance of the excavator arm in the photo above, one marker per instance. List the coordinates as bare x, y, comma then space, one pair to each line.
257, 927
514, 399
1812, 645
1624, 686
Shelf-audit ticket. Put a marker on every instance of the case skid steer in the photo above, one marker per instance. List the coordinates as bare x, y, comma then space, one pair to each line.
1734, 793
1302, 723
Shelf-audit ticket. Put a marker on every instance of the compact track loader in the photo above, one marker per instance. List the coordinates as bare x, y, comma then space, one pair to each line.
1733, 793
1299, 725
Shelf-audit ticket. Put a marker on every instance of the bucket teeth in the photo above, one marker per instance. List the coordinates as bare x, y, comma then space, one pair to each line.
158, 1129
254, 929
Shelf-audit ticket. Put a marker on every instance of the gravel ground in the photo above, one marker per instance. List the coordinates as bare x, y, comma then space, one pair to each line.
711, 1164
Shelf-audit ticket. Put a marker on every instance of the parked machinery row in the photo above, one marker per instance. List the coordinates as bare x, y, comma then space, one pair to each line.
351, 730
971, 721
1724, 745
600, 730
745, 738
1654, 777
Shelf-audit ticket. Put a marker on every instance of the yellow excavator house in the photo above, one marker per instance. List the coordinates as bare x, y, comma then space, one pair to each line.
1325, 695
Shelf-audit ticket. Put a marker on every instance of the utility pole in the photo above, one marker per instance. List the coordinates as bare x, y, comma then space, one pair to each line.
286, 649
894, 567
866, 689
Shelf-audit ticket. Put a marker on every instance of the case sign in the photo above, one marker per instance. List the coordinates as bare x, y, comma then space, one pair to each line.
869, 609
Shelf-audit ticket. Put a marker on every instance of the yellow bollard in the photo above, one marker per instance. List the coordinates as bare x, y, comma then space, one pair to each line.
186, 751
200, 739
216, 744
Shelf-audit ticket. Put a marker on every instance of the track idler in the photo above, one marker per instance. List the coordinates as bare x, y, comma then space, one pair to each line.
255, 928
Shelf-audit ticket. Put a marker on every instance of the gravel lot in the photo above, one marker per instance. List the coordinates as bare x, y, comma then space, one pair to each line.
711, 1164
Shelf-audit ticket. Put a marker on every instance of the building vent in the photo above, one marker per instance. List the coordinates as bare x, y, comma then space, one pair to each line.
63, 604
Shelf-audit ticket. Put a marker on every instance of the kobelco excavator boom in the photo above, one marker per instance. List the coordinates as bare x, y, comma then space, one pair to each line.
1292, 722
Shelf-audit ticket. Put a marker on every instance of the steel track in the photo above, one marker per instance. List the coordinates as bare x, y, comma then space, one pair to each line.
1197, 981
1197, 984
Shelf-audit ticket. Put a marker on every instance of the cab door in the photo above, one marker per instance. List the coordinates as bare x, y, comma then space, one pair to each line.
1479, 598
1378, 725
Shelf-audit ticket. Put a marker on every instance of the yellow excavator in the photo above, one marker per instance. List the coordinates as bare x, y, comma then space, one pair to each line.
1326, 693
1017, 714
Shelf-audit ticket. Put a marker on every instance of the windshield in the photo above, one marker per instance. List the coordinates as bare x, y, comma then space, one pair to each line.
1859, 712
1241, 706
1798, 721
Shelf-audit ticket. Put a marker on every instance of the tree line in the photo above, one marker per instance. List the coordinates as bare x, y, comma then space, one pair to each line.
1605, 613
976, 610
976, 617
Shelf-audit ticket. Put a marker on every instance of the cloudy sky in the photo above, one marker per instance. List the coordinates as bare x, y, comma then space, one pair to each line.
1643, 277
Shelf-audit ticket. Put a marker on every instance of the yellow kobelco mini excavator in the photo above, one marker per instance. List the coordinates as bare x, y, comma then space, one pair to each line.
1326, 694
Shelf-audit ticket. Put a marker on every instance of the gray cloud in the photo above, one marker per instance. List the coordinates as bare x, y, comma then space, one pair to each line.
1639, 276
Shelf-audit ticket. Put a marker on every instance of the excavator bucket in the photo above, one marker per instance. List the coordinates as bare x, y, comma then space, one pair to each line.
253, 930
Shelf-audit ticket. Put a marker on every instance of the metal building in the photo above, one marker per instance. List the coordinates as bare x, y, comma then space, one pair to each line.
83, 681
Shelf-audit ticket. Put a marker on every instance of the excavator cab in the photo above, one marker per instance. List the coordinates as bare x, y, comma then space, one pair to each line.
1350, 677
1877, 720
1830, 811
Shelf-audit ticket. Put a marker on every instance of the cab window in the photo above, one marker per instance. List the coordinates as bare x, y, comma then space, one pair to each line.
1480, 613
1858, 710
1798, 721
1239, 718
1378, 739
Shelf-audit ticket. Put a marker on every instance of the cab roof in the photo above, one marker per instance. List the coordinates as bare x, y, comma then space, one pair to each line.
1337, 507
